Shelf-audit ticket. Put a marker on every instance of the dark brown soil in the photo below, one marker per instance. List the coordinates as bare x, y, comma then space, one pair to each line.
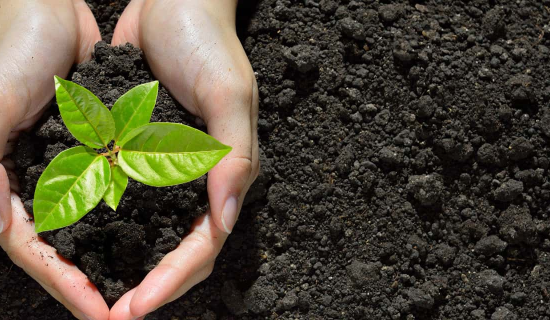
404, 173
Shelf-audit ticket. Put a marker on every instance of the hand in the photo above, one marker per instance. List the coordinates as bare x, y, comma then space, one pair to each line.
193, 49
38, 40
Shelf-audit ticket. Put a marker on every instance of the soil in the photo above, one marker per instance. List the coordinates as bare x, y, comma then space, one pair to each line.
405, 163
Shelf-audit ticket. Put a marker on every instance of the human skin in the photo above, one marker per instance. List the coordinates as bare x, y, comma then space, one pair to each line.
197, 55
37, 40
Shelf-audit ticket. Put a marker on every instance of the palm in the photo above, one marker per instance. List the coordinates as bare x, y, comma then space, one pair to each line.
47, 41
192, 48
39, 40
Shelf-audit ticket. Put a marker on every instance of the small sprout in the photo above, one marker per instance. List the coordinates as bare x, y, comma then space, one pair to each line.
157, 154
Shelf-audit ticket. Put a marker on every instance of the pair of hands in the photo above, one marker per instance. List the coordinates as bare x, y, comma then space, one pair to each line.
193, 49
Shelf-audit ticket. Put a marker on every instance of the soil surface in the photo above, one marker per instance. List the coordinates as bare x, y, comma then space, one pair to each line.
405, 163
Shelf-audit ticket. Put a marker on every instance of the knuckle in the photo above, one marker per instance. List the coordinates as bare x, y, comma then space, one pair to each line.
203, 244
238, 88
244, 167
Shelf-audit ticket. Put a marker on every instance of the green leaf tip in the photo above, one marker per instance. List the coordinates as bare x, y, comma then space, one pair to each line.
117, 186
86, 117
134, 108
164, 154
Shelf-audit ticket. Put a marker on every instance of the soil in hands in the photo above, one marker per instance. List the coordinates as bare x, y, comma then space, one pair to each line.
114, 249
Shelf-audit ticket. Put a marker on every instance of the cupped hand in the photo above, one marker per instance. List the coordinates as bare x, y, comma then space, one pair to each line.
40, 39
193, 49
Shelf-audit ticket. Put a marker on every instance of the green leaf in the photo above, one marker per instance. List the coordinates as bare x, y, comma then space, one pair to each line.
84, 115
72, 185
119, 182
134, 108
165, 154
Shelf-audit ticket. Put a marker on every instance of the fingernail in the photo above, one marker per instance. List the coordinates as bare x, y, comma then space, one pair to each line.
88, 317
140, 318
229, 214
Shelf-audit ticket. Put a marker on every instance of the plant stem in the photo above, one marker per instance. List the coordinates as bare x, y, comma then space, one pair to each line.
111, 155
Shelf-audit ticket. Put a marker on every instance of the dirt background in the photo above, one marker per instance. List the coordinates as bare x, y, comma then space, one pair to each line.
405, 166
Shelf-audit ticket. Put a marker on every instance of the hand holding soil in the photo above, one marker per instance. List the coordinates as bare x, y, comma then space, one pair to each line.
198, 57
38, 40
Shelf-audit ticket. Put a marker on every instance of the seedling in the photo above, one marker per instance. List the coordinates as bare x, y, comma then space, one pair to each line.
156, 154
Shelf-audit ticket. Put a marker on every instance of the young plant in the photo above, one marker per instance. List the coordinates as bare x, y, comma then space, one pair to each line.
156, 154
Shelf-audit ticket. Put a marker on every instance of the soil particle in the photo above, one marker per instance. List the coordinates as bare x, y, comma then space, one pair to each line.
420, 299
426, 107
490, 245
491, 280
260, 297
445, 254
301, 57
493, 23
520, 149
517, 226
390, 12
351, 28
509, 190
488, 154
478, 314
290, 301
545, 124
361, 273
391, 156
426, 189
502, 313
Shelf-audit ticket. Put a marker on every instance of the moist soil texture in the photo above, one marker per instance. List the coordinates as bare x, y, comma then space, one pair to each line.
405, 155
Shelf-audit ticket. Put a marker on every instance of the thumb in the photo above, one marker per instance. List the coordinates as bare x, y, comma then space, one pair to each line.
233, 124
5, 202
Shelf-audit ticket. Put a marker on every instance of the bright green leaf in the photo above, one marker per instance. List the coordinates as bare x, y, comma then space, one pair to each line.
119, 182
134, 108
84, 114
72, 185
165, 154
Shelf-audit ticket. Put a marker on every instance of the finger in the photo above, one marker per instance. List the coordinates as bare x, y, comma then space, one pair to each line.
5, 203
181, 269
57, 296
233, 124
42, 263
88, 34
127, 27
121, 309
